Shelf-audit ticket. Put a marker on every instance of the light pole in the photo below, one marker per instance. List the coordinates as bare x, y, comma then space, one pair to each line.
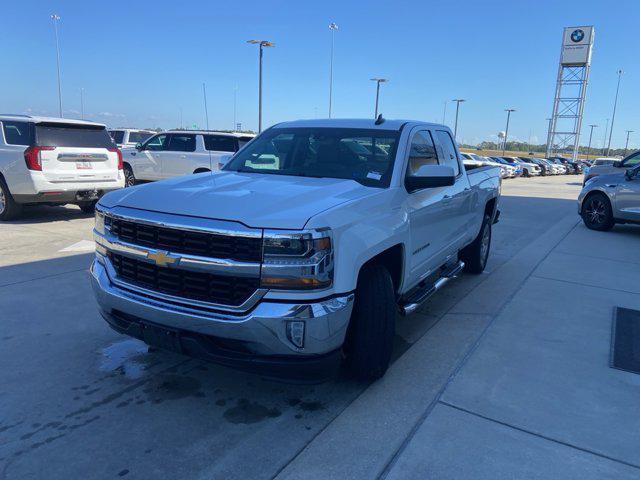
261, 44
444, 112
455, 128
506, 130
56, 19
82, 104
626, 145
613, 117
235, 107
206, 110
333, 27
590, 137
378, 82
604, 138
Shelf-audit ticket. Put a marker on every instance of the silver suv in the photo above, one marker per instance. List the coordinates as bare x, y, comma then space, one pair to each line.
602, 166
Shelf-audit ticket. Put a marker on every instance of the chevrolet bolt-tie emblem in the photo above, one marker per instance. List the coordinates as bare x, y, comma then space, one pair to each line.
162, 259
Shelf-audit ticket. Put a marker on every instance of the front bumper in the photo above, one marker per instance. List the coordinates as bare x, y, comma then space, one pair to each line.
256, 337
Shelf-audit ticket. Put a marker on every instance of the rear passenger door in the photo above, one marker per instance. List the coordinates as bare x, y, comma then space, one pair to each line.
458, 202
184, 155
220, 149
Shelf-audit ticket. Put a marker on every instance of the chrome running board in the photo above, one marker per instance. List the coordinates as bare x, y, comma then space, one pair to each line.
413, 302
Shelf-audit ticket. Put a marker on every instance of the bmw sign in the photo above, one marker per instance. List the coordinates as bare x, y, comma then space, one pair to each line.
577, 35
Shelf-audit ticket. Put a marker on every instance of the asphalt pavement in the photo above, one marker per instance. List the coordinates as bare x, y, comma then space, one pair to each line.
483, 381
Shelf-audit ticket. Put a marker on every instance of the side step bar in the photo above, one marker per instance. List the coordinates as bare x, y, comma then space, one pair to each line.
412, 303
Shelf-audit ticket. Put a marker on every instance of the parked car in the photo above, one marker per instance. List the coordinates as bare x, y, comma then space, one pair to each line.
180, 152
55, 161
516, 168
562, 168
611, 198
528, 169
471, 161
604, 165
545, 167
301, 251
129, 137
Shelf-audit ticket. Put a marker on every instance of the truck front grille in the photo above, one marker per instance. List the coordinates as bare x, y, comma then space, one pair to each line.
243, 249
205, 287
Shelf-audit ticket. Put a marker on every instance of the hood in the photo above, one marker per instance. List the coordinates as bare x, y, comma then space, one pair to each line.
256, 200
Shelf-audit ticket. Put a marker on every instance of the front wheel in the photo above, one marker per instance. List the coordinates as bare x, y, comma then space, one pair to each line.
596, 212
88, 207
370, 337
476, 254
9, 209
129, 177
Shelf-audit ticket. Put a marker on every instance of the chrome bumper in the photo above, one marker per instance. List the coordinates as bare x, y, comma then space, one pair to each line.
263, 328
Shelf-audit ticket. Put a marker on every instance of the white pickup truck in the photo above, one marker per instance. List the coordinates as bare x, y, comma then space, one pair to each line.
298, 255
180, 152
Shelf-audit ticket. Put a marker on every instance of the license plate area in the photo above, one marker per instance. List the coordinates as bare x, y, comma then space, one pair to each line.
163, 338
84, 165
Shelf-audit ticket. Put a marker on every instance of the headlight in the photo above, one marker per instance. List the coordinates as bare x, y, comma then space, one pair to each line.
99, 222
297, 260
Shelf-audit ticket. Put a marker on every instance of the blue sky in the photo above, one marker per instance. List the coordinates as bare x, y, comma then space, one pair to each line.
141, 62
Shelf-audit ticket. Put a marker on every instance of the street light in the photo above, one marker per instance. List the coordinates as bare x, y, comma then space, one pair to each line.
590, 137
455, 128
506, 130
261, 44
333, 27
56, 19
615, 104
378, 82
626, 145
82, 104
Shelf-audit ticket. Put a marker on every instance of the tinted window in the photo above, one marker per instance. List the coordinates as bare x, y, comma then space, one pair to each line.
117, 135
632, 160
17, 133
182, 143
448, 150
363, 155
156, 143
61, 135
139, 137
421, 152
242, 141
219, 143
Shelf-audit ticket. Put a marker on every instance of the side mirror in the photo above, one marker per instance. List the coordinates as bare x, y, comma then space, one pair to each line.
631, 173
430, 176
138, 146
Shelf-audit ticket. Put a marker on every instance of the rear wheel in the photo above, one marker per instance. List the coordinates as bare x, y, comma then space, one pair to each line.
9, 209
596, 212
476, 254
372, 328
129, 177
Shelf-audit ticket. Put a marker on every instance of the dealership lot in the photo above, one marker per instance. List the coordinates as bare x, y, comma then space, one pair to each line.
80, 401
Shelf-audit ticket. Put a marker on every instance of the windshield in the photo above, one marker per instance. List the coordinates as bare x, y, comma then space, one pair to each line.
117, 135
363, 155
138, 137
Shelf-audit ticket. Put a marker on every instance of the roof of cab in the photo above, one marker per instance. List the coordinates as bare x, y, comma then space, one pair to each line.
35, 119
212, 132
368, 123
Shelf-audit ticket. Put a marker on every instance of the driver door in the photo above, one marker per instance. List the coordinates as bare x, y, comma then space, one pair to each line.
148, 161
628, 198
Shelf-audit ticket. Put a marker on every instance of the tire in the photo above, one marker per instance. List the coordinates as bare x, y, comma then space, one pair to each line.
372, 327
129, 177
88, 207
475, 254
525, 173
9, 209
596, 212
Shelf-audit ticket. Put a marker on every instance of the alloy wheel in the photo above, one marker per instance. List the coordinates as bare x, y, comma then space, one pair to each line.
596, 211
3, 201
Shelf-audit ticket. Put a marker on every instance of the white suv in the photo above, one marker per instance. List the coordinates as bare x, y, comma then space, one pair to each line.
180, 152
55, 161
129, 137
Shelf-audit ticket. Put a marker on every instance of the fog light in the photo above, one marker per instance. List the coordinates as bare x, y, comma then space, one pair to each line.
295, 333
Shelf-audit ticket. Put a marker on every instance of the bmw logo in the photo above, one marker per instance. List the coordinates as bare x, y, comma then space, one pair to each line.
577, 35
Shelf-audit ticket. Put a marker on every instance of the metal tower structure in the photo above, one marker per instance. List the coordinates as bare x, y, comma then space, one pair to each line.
571, 90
